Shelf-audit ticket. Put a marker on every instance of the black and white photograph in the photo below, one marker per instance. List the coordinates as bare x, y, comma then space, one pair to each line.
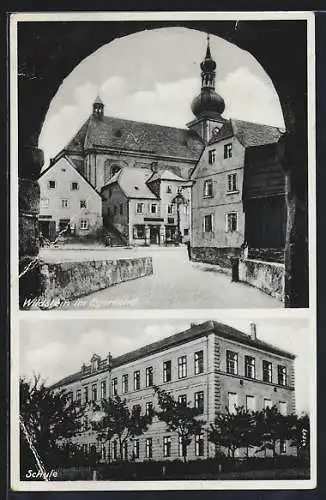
163, 251
165, 400
164, 164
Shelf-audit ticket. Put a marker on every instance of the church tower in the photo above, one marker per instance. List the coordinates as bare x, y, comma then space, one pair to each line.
98, 108
208, 106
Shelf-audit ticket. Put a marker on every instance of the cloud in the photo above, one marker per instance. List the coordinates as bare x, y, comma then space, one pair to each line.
249, 98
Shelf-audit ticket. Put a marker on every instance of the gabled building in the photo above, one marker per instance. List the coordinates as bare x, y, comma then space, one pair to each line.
69, 204
211, 366
238, 194
147, 207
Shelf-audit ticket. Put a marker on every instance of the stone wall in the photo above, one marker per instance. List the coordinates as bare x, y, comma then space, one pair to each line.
267, 276
66, 281
214, 255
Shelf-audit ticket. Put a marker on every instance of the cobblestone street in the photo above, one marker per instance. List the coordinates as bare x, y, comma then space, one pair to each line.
176, 283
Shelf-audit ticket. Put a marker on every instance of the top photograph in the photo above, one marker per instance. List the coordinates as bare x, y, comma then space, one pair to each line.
162, 164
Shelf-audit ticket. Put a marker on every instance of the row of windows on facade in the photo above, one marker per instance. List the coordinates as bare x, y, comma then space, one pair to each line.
169, 190
231, 222
227, 153
232, 367
52, 184
139, 230
112, 451
231, 186
64, 203
167, 377
233, 403
140, 209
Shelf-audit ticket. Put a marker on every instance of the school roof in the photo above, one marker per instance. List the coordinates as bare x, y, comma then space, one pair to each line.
195, 331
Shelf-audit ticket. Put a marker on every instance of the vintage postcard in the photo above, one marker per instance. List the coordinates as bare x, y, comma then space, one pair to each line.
163, 272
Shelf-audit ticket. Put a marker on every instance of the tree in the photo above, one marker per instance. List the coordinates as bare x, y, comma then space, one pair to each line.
271, 428
116, 419
233, 430
300, 433
47, 419
179, 417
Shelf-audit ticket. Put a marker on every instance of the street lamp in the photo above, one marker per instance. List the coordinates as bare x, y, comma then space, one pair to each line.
178, 200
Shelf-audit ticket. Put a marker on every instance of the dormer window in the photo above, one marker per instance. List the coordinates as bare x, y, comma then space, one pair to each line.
94, 363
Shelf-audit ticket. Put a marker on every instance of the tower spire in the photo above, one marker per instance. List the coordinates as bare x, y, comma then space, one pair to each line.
98, 107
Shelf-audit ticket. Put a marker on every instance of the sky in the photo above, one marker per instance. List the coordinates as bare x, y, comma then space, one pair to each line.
56, 348
152, 76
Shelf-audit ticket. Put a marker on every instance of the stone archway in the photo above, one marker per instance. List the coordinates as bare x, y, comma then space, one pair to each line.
49, 51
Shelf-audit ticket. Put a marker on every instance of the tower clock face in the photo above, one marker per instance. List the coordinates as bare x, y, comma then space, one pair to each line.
215, 131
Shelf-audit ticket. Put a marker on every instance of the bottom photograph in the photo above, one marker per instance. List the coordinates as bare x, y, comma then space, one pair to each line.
156, 400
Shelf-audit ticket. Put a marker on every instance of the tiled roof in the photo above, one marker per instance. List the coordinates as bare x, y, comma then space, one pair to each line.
165, 175
249, 134
137, 136
132, 181
195, 331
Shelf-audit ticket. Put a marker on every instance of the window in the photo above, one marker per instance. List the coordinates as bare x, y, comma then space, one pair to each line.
170, 209
103, 453
282, 446
149, 376
135, 450
166, 446
44, 202
153, 208
78, 395
232, 222
182, 399
267, 371
211, 156
125, 451
74, 186
199, 401
199, 445
137, 380
167, 371
136, 409
186, 232
70, 397
268, 403
250, 365
115, 210
83, 224
103, 389
169, 189
232, 362
149, 448
232, 402
281, 375
250, 403
83, 204
199, 362
232, 182
121, 209
86, 394
149, 408
64, 203
208, 223
94, 392
208, 189
139, 208
51, 184
182, 448
114, 386
228, 150
85, 423
283, 408
125, 383
182, 366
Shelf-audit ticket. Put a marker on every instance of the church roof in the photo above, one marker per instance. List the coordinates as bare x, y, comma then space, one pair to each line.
137, 136
132, 181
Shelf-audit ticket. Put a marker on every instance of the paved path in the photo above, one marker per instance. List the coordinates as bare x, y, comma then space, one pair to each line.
176, 283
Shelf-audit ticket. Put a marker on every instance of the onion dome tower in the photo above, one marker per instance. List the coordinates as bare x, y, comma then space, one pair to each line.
98, 108
208, 106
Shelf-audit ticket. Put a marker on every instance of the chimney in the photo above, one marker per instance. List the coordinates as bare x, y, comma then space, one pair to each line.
109, 360
193, 325
253, 331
